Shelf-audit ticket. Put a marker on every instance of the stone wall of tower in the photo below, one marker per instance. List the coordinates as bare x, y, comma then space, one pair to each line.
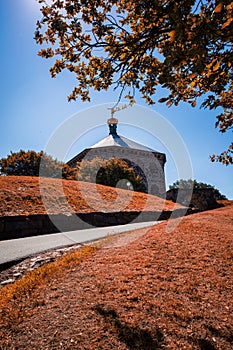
150, 163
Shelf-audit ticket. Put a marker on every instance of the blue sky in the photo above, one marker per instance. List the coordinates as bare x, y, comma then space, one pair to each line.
33, 106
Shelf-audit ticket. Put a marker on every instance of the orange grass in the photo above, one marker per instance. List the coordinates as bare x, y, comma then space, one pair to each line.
13, 297
20, 195
164, 290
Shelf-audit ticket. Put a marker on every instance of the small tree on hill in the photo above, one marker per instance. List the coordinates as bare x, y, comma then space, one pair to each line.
113, 172
28, 163
189, 184
87, 169
69, 173
21, 163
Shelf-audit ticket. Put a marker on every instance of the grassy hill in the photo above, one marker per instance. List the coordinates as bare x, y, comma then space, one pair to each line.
164, 290
20, 195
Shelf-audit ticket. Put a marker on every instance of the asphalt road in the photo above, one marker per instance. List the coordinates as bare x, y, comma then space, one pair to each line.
17, 249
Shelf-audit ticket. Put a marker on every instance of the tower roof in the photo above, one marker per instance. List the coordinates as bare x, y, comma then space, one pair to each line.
120, 141
114, 140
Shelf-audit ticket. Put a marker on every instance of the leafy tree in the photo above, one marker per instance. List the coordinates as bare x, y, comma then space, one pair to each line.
87, 169
110, 172
184, 46
28, 164
189, 184
69, 173
184, 184
21, 163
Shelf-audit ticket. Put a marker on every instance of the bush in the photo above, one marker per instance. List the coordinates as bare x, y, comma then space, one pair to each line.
188, 184
113, 172
29, 164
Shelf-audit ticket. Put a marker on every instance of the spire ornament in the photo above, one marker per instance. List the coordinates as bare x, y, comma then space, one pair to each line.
112, 123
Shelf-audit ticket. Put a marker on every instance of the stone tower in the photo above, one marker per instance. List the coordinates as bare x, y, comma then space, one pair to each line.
146, 162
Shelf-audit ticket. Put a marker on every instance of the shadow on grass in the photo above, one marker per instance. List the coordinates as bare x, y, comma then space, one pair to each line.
225, 333
205, 344
134, 337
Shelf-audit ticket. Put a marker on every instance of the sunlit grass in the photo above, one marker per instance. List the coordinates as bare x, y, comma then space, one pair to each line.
14, 298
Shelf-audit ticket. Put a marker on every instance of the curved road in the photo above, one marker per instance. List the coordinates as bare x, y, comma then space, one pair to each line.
17, 249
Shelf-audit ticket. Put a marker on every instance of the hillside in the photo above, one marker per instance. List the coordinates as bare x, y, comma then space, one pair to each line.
164, 290
20, 195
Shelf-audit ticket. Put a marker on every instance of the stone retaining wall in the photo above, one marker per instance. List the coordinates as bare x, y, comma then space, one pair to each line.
12, 227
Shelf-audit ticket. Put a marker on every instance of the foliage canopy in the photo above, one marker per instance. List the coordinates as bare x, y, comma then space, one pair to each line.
28, 163
113, 172
194, 184
184, 46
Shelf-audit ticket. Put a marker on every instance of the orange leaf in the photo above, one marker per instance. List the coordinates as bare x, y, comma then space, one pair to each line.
227, 23
172, 35
163, 99
218, 8
193, 104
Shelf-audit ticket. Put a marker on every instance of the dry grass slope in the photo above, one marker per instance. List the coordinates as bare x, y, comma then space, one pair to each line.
162, 291
20, 195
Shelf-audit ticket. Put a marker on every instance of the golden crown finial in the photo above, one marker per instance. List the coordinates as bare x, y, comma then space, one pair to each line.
112, 121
